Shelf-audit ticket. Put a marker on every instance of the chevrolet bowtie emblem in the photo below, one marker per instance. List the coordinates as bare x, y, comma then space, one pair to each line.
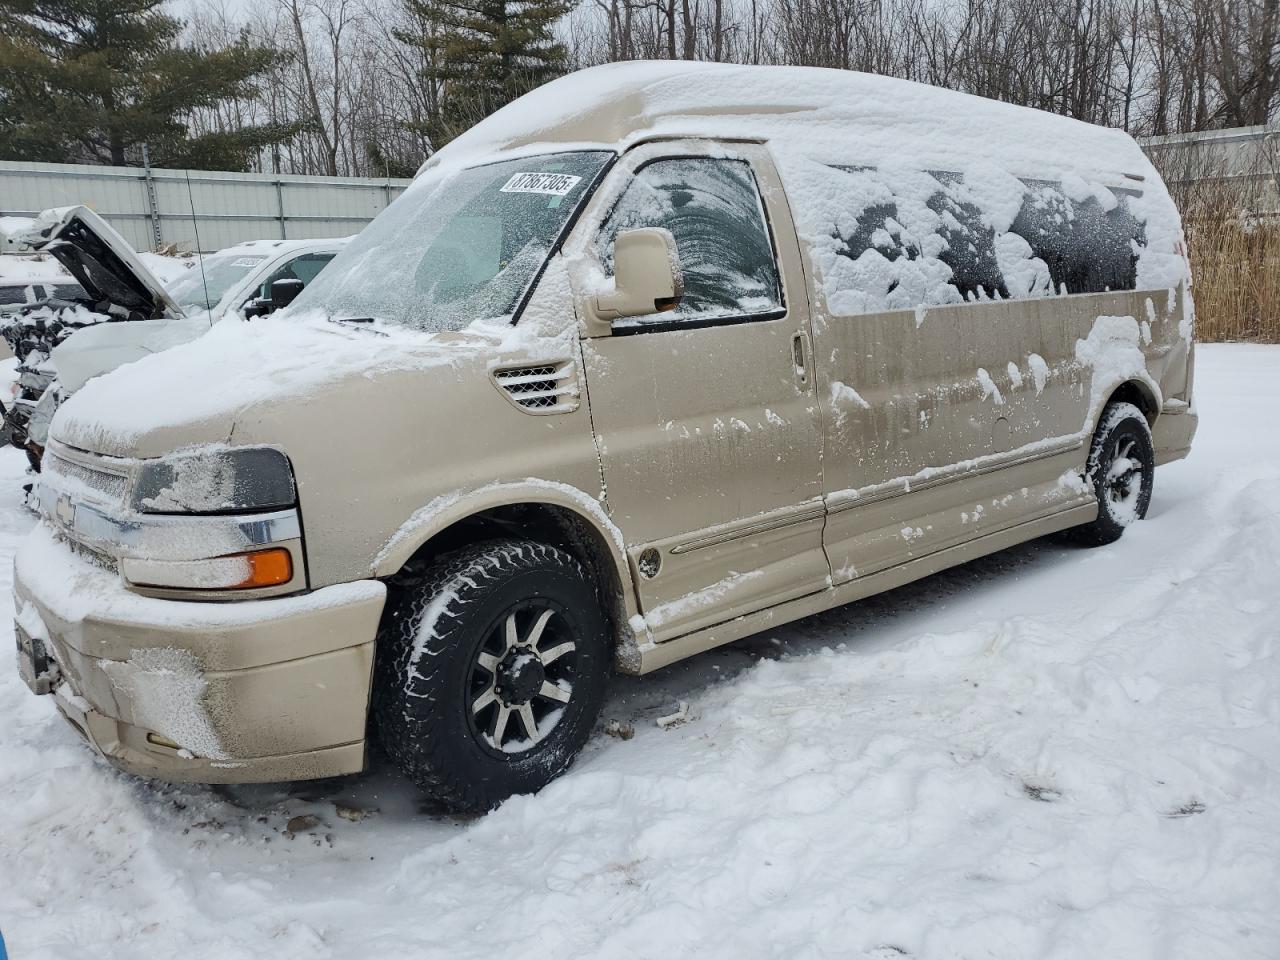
65, 511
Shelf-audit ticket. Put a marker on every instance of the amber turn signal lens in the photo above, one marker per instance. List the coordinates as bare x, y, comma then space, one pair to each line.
268, 568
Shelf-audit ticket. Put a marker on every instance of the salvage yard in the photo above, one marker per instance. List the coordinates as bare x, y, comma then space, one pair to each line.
1051, 752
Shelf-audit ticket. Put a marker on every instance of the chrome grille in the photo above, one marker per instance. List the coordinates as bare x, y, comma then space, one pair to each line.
96, 557
110, 486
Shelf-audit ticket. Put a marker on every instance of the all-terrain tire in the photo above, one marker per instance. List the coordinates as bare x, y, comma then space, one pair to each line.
446, 645
1122, 469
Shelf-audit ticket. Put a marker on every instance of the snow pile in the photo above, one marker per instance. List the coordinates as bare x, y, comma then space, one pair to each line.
989, 388
1039, 371
1051, 753
10, 225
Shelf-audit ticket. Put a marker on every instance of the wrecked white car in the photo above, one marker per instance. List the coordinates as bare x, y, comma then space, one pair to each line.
124, 312
249, 279
114, 286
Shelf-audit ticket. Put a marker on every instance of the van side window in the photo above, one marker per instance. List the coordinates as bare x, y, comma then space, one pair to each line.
901, 238
970, 249
713, 209
887, 246
1087, 247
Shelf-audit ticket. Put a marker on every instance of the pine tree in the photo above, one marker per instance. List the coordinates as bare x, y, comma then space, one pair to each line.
90, 81
482, 54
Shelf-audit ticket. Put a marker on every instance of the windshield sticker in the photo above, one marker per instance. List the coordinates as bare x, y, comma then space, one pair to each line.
247, 261
551, 184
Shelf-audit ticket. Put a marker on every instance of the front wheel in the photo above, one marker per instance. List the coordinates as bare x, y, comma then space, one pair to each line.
1122, 470
490, 672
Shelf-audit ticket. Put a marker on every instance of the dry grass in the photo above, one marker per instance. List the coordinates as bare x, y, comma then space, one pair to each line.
1228, 203
1235, 270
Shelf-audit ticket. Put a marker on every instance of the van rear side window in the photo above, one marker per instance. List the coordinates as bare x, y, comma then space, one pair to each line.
913, 239
1087, 247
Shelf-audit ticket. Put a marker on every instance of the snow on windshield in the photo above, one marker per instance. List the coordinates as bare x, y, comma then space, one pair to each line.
203, 288
459, 246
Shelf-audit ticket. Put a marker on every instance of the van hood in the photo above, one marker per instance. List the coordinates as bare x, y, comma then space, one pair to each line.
195, 393
100, 259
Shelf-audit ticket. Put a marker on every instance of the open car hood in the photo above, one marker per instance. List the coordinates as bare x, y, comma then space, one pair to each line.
100, 259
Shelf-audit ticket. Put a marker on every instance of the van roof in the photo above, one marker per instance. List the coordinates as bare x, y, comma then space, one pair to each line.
834, 116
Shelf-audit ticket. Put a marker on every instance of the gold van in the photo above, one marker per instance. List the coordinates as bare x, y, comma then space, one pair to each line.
656, 357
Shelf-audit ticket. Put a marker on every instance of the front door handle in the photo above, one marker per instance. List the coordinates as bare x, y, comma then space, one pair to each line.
799, 351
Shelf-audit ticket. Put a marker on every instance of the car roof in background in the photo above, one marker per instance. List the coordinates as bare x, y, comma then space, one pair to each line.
271, 247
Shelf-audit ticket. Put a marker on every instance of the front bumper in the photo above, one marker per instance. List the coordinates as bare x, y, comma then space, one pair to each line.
249, 691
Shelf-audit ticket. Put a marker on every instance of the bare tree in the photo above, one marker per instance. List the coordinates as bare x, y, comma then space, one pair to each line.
1148, 66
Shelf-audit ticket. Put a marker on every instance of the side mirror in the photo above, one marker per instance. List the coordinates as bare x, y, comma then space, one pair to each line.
284, 292
646, 275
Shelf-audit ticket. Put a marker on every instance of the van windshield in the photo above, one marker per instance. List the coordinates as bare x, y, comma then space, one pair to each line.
458, 246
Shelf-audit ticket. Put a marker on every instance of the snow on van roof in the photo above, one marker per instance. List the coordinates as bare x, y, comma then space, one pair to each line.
836, 116
844, 142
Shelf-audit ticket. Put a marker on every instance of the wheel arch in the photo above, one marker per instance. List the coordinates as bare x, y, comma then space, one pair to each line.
545, 512
1140, 393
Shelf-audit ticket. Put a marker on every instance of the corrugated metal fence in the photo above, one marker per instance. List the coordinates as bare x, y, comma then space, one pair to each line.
152, 208
1242, 165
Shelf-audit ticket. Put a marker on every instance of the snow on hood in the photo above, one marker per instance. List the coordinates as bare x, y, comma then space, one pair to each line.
192, 394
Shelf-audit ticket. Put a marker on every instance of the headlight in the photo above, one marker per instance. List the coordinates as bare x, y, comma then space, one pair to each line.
224, 481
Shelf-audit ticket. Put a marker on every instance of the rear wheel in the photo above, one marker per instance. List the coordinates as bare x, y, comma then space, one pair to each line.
491, 672
1122, 470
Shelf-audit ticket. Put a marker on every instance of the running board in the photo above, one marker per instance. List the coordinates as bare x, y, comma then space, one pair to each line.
660, 655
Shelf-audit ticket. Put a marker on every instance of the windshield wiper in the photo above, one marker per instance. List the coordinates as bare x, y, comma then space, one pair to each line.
359, 323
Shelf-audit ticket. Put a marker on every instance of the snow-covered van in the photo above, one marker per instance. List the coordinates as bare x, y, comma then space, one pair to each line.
657, 357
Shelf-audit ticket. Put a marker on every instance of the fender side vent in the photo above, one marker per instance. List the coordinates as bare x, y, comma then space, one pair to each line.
546, 388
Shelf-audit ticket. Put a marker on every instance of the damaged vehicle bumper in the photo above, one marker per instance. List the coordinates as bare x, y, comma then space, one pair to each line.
250, 691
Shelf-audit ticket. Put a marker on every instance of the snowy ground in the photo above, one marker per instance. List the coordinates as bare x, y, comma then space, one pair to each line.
1052, 752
